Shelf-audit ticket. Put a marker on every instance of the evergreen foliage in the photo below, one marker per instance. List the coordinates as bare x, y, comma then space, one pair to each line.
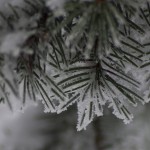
92, 53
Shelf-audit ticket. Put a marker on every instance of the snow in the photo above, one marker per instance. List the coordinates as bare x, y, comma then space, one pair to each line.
13, 42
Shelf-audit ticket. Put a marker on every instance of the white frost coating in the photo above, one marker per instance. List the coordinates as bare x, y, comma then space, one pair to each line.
88, 108
66, 103
83, 115
147, 96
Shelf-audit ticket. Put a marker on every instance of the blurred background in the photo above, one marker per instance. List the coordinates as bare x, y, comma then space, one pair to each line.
36, 130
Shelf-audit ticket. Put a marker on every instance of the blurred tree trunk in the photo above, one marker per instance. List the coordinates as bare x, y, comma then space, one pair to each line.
98, 136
